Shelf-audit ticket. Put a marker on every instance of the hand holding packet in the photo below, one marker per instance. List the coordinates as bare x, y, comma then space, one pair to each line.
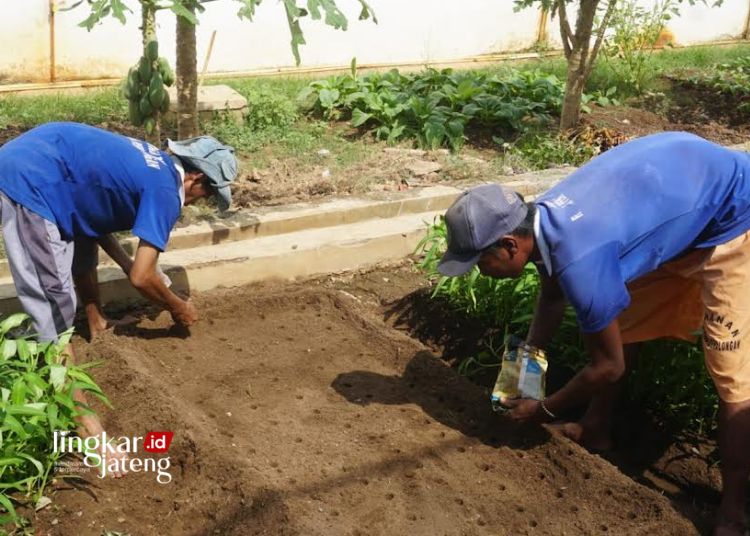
522, 374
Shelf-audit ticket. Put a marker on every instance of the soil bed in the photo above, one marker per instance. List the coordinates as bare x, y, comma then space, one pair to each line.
298, 409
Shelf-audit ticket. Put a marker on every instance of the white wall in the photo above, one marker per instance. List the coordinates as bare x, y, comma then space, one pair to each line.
701, 23
409, 31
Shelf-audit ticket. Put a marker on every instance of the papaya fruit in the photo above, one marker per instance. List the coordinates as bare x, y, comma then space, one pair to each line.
134, 77
156, 90
149, 125
166, 71
134, 113
145, 69
145, 107
152, 50
164, 108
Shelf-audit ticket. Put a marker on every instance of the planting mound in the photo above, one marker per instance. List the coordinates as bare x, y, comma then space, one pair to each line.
294, 411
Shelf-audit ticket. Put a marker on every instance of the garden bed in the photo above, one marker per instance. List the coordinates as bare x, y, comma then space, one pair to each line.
299, 409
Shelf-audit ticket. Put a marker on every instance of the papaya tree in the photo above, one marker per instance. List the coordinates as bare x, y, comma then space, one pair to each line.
186, 12
145, 89
187, 77
592, 20
144, 85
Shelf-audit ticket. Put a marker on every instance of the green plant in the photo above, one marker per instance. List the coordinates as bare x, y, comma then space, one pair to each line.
581, 41
732, 79
267, 109
36, 387
505, 303
540, 151
438, 108
629, 42
670, 379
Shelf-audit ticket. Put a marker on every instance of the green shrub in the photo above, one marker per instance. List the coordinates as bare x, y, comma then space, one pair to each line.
267, 109
36, 387
629, 44
437, 107
670, 379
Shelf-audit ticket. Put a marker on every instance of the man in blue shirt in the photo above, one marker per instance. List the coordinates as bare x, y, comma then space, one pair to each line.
64, 183
648, 240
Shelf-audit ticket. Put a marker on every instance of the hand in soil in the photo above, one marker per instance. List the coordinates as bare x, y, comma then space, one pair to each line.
114, 461
526, 410
187, 315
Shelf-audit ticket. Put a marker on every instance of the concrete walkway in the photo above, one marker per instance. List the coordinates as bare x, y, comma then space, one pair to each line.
294, 241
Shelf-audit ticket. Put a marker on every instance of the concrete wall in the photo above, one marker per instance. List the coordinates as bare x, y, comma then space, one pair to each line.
409, 31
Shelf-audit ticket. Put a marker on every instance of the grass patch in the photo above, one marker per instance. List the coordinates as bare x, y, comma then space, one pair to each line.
93, 108
662, 62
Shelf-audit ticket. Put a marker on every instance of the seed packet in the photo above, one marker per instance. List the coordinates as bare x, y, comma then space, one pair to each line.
522, 373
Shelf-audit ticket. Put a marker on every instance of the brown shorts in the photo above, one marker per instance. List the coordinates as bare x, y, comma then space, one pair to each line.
705, 293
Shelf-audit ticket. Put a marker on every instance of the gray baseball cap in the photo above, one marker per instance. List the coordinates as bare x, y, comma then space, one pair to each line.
475, 221
214, 159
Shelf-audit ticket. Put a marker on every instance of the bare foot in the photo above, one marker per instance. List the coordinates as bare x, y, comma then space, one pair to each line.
591, 439
102, 324
116, 463
113, 461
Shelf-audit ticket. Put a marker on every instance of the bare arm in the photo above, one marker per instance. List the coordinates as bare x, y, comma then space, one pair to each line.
112, 247
548, 313
144, 277
607, 365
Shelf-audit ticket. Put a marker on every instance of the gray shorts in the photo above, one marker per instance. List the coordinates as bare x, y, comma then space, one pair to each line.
41, 263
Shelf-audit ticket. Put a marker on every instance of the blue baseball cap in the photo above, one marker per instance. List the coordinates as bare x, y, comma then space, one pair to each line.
475, 221
214, 159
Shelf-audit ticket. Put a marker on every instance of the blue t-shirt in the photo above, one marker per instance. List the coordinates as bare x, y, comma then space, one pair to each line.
634, 208
91, 182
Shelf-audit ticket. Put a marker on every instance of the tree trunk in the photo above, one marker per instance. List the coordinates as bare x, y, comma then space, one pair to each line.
148, 32
187, 79
580, 58
576, 80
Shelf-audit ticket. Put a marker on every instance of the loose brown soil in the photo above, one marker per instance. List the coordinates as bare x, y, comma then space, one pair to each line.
299, 409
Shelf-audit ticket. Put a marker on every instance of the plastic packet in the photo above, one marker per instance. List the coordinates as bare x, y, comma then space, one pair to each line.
164, 277
522, 373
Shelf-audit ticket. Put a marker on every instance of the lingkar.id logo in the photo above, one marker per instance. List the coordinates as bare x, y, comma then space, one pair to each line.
121, 454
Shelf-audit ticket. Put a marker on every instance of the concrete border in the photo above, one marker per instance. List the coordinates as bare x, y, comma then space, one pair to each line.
296, 240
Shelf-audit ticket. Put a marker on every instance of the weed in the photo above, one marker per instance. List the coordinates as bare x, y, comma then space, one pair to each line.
541, 151
267, 109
